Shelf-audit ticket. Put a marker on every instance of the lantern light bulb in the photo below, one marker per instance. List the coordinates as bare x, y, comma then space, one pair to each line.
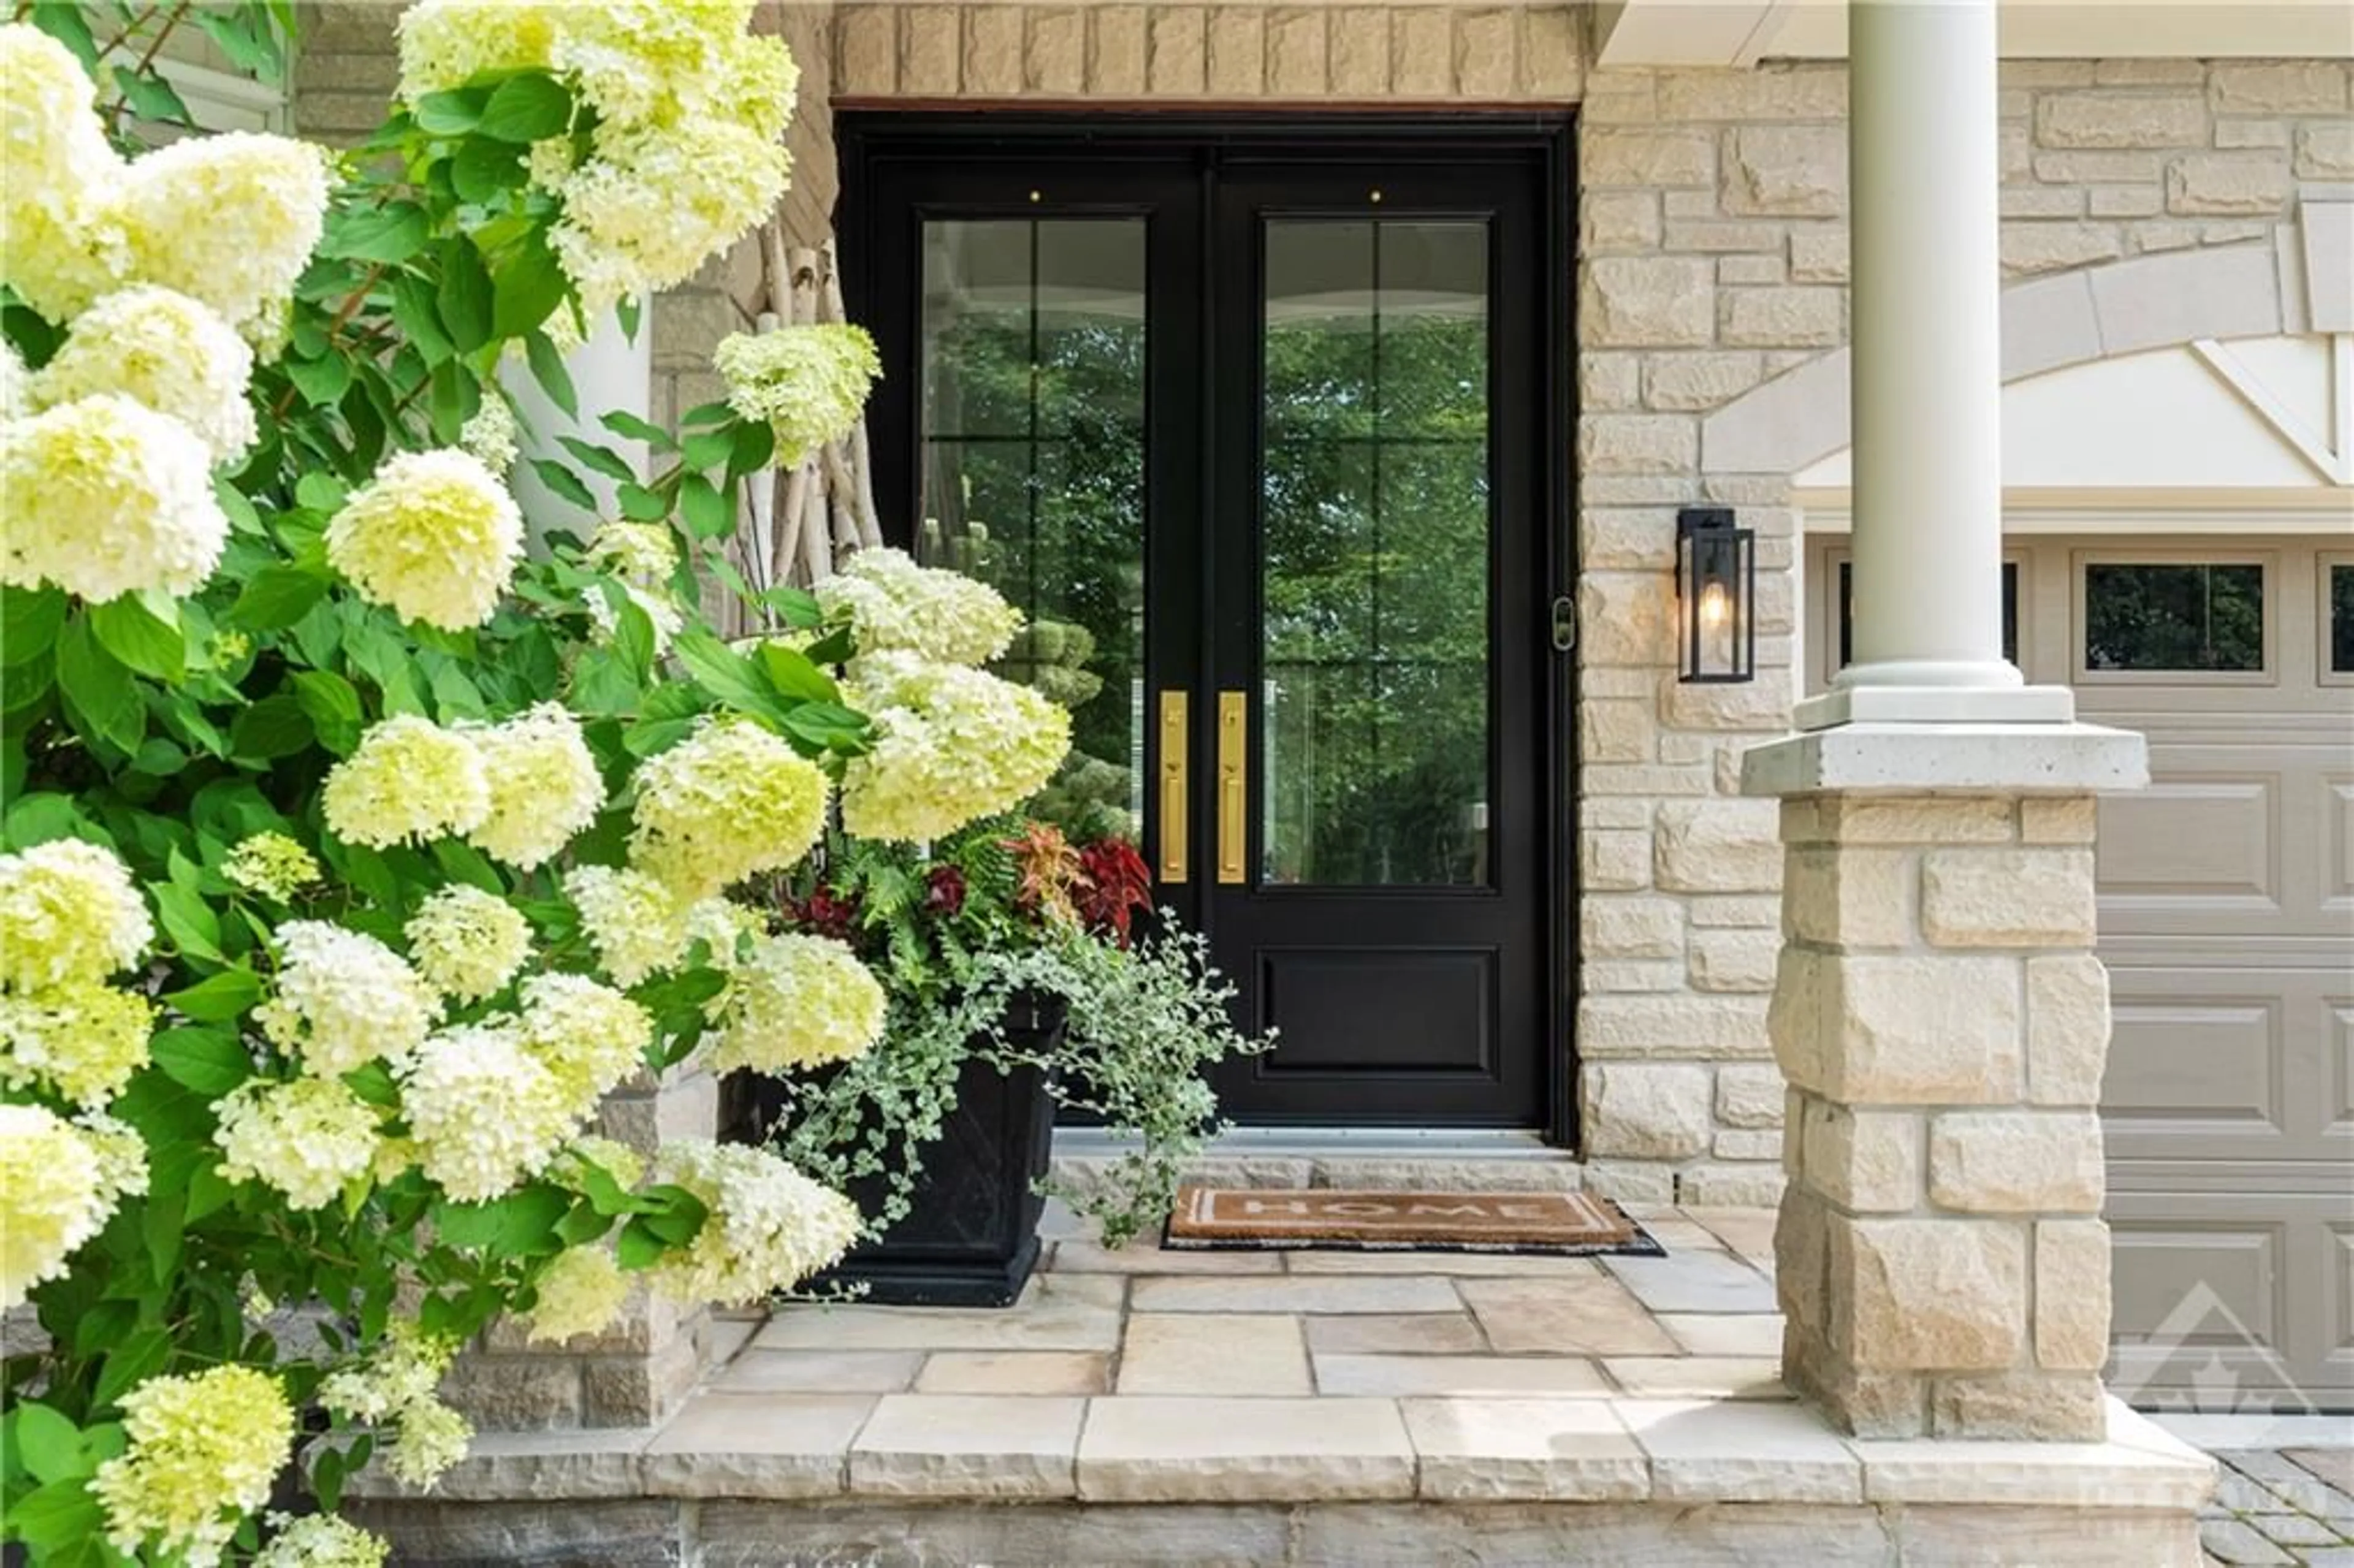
1715, 607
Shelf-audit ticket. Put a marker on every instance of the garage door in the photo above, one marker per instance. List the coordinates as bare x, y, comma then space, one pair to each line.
2227, 923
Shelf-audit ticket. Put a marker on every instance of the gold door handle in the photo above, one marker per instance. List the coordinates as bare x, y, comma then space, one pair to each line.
1234, 775
1174, 743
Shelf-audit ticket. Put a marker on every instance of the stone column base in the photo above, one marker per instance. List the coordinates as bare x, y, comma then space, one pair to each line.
1942, 1024
638, 1371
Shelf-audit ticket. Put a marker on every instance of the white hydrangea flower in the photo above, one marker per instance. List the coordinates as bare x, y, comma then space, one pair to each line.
809, 383
581, 1293
271, 865
104, 496
951, 745
491, 435
122, 1155
164, 350
468, 943
344, 998
432, 1438
895, 606
409, 781
721, 925
618, 1161
637, 926
230, 219
81, 1039
307, 1139
61, 172
403, 1370
320, 1541
643, 214
434, 534
729, 800
486, 1113
798, 1002
204, 1450
643, 557
446, 43
53, 1197
589, 1037
770, 1226
69, 912
544, 785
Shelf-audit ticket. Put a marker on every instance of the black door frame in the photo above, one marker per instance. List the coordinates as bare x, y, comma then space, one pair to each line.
867, 141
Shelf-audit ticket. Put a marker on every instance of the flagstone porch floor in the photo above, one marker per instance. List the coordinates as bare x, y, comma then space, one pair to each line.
1245, 1406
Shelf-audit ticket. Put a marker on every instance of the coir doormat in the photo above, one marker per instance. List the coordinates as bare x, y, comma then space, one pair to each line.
1559, 1223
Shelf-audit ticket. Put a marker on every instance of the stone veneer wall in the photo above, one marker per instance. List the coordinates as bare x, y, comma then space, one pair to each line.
1712, 256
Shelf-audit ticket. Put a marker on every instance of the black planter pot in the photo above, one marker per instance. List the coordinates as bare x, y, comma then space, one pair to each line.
970, 1238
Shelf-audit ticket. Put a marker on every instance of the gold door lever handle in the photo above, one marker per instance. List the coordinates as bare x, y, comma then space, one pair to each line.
1174, 806
1234, 775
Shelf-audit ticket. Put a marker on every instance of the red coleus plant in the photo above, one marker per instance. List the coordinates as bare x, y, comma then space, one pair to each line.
1114, 884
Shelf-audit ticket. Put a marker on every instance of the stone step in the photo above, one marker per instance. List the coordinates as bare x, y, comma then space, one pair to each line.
739, 1534
921, 1479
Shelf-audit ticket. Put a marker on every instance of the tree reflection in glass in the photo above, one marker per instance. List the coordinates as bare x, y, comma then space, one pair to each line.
1375, 500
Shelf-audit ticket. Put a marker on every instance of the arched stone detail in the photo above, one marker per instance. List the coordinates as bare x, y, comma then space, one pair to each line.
2048, 323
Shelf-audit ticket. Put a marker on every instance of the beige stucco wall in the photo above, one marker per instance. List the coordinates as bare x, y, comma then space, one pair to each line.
1711, 261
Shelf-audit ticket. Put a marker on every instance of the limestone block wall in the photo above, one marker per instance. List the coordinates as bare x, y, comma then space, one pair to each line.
1714, 258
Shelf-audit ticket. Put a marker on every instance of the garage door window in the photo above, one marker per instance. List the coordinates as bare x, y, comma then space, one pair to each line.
2152, 617
2337, 618
1846, 612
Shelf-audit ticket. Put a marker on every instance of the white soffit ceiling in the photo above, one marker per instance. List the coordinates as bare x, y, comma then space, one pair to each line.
1742, 32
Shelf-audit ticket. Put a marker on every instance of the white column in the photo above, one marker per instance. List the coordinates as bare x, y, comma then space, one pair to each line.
1926, 356
609, 371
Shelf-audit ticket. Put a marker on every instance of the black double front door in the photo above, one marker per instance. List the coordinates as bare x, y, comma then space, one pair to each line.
1256, 429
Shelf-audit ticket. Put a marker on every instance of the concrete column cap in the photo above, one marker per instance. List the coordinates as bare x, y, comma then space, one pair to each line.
1949, 758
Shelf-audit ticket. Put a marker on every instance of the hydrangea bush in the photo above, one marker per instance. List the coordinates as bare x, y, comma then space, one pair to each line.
350, 850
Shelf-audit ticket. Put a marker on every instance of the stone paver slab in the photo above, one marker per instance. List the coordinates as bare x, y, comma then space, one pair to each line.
1698, 1377
1747, 1231
1683, 1236
1015, 1372
1371, 1293
1410, 1333
1149, 1449
1092, 1257
1694, 1282
1500, 1265
1492, 1376
1706, 1451
2230, 1540
1524, 1450
1213, 1353
1567, 1317
2335, 1465
771, 1445
2297, 1530
968, 1446
1061, 1326
1725, 1333
1044, 1289
820, 1371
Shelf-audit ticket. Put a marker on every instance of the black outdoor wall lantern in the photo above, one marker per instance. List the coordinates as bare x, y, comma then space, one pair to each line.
1716, 596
